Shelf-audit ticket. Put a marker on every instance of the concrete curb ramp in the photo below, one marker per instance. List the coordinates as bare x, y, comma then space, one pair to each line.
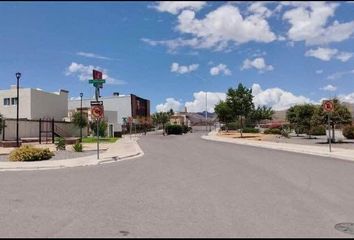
339, 153
123, 149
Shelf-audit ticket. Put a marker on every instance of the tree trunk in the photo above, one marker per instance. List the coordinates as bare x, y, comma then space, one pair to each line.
333, 136
163, 129
241, 126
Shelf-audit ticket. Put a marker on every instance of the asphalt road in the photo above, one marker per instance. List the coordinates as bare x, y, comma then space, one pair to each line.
183, 186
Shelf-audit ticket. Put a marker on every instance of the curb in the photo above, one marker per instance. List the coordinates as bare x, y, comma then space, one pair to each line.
90, 161
210, 137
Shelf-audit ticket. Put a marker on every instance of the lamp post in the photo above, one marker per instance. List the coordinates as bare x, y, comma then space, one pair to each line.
18, 76
81, 95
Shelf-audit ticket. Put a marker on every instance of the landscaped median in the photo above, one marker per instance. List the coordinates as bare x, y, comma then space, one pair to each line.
122, 149
345, 154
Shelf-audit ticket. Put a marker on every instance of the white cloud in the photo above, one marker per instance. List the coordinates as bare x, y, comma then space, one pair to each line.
175, 67
199, 102
309, 23
257, 63
174, 7
84, 73
326, 54
349, 98
344, 56
276, 98
221, 68
329, 88
259, 8
170, 103
223, 25
338, 75
319, 71
92, 55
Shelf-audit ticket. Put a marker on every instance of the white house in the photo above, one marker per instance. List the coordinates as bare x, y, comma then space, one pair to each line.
34, 104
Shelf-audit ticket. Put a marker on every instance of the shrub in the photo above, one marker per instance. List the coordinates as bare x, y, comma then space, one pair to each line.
174, 129
60, 143
29, 153
77, 147
233, 126
250, 130
284, 133
185, 129
272, 131
348, 132
317, 131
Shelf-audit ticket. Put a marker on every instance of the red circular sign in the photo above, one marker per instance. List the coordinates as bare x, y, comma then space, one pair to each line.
328, 106
97, 111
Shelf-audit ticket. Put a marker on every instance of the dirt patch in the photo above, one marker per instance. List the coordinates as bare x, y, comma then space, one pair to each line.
250, 136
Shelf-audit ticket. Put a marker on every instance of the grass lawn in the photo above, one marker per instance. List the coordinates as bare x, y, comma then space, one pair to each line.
102, 139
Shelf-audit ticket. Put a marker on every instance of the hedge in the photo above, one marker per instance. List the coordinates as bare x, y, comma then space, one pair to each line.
174, 129
250, 130
272, 131
348, 132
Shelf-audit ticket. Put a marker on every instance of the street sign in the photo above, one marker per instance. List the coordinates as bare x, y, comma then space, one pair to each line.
97, 111
328, 106
97, 81
96, 74
93, 103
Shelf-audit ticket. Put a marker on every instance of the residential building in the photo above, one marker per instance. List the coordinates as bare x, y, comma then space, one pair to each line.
34, 104
122, 106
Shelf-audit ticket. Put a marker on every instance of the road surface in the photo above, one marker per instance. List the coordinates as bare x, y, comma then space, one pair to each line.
183, 186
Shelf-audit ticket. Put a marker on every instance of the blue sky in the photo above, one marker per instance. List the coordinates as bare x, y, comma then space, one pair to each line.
173, 52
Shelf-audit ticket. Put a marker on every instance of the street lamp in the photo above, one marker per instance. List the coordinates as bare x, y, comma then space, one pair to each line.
18, 76
81, 95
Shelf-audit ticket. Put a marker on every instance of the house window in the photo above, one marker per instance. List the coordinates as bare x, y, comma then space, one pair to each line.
14, 101
6, 101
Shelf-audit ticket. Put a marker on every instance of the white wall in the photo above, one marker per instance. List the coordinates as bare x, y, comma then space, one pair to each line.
119, 104
35, 104
50, 105
11, 110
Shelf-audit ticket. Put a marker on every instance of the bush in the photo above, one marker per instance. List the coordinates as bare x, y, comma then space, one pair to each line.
348, 132
29, 153
233, 126
272, 131
174, 129
250, 130
77, 147
60, 143
185, 129
317, 131
284, 133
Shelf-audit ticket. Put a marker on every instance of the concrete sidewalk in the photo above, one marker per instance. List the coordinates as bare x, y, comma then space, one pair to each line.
323, 151
125, 148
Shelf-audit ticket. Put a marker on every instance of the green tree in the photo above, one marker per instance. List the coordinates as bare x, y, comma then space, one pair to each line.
224, 112
79, 121
161, 118
340, 116
240, 102
171, 112
102, 126
300, 116
164, 118
261, 113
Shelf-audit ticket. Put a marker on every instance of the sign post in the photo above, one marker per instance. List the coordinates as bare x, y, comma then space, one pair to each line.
97, 109
328, 107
